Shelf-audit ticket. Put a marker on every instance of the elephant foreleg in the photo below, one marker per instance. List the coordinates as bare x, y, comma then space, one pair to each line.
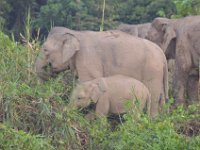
183, 66
157, 94
192, 88
103, 105
181, 77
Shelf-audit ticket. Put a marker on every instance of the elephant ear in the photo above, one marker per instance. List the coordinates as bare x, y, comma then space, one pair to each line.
99, 90
102, 85
169, 38
70, 46
168, 35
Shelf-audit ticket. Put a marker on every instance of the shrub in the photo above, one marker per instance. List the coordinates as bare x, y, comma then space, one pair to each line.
161, 133
13, 139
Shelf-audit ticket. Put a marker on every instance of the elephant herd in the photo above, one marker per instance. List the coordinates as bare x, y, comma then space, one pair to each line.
114, 67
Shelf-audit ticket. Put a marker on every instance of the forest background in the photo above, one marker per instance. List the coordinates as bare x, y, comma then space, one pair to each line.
86, 14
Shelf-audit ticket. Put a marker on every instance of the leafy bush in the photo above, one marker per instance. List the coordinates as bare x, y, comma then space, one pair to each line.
186, 8
12, 139
161, 133
29, 105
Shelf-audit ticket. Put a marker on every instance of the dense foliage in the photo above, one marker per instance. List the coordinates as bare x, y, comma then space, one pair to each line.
187, 7
12, 139
140, 11
86, 14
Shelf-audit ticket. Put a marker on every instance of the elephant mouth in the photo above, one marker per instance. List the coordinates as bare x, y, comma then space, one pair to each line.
87, 109
58, 70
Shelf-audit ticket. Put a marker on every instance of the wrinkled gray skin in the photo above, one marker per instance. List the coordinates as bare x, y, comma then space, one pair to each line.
100, 54
180, 40
111, 94
139, 30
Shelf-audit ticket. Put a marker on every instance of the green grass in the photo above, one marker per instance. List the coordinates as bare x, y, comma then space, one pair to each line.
13, 139
35, 115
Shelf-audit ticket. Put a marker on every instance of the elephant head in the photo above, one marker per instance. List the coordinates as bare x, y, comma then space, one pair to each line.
57, 52
163, 34
88, 92
130, 29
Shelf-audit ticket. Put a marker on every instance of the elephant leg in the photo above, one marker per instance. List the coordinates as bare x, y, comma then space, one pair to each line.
181, 77
192, 88
179, 88
183, 65
157, 94
103, 105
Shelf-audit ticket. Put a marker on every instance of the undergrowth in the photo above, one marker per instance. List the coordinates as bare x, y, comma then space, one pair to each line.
12, 139
36, 115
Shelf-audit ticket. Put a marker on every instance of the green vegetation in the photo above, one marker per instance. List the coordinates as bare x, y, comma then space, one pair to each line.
36, 115
12, 139
187, 7
142, 133
87, 14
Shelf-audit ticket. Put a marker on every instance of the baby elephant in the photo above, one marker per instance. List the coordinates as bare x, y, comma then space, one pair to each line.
110, 94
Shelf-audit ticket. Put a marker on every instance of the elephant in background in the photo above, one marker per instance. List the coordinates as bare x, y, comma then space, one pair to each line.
180, 40
110, 95
92, 55
139, 30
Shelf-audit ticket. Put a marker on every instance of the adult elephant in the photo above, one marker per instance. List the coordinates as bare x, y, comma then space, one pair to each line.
180, 40
100, 54
139, 30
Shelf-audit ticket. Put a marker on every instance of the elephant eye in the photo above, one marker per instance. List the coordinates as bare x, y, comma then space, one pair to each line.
79, 97
45, 50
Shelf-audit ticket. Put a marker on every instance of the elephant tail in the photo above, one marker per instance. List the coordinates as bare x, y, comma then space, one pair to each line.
165, 82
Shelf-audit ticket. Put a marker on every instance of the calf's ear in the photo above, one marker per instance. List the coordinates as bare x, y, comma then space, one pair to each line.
98, 90
102, 85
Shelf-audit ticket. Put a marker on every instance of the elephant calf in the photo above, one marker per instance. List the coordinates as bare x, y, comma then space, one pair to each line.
110, 94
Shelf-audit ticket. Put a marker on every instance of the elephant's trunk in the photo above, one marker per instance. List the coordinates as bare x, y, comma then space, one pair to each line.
41, 66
